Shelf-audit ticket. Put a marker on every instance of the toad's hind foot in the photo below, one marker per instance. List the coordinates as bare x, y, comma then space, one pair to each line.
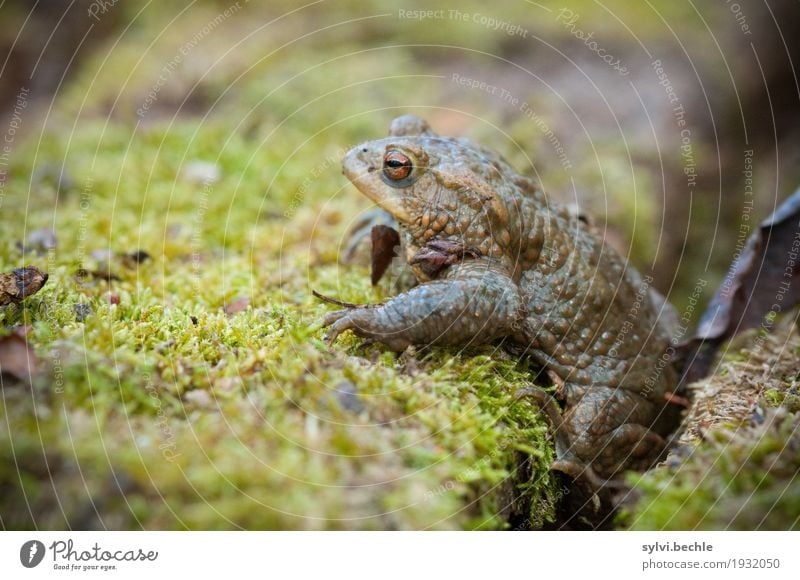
577, 470
631, 446
585, 473
600, 435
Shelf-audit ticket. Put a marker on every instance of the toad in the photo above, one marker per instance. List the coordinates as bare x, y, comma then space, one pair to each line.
496, 259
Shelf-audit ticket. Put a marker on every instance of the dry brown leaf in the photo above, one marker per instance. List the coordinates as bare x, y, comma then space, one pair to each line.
18, 284
17, 359
384, 241
762, 281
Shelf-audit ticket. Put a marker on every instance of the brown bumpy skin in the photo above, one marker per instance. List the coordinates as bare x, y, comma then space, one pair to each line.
496, 258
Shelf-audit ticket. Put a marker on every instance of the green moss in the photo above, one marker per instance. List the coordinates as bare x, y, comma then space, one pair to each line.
164, 411
741, 473
743, 482
787, 398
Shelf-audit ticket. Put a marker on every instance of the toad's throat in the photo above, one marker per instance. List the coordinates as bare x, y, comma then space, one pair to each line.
389, 201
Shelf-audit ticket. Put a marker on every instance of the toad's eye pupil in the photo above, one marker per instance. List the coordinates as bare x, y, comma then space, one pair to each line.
397, 166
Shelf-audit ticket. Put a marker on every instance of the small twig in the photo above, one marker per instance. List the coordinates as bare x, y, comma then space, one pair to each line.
330, 300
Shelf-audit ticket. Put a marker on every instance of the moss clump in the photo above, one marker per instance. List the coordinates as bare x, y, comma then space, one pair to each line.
736, 464
745, 479
788, 398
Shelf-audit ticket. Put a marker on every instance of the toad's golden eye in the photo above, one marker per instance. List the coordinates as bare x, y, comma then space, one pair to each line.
397, 166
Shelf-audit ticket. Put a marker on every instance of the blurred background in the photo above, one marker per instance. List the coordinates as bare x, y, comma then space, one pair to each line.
208, 134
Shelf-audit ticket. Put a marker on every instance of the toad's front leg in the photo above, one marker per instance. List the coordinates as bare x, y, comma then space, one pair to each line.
474, 304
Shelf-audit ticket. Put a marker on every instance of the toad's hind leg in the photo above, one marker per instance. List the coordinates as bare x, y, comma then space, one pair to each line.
609, 430
601, 434
357, 249
565, 462
631, 446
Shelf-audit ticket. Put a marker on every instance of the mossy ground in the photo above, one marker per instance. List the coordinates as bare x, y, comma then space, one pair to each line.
736, 466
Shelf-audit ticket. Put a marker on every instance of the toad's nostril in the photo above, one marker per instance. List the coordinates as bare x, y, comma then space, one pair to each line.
371, 168
364, 150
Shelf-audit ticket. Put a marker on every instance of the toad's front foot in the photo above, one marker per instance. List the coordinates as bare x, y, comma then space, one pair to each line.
476, 305
362, 322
